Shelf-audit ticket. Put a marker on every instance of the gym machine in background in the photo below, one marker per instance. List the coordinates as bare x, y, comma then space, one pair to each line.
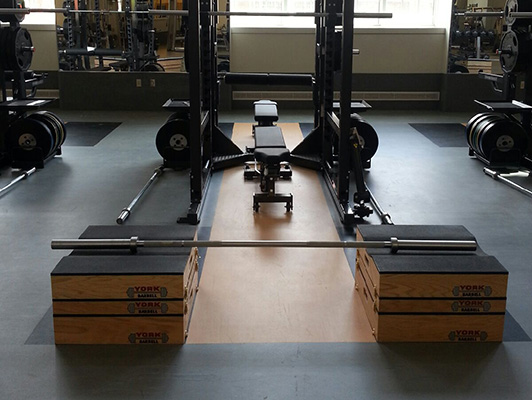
27, 139
502, 137
127, 43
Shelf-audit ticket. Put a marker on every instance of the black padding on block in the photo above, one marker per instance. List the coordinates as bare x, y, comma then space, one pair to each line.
147, 232
415, 232
418, 232
118, 265
266, 111
269, 136
437, 264
272, 156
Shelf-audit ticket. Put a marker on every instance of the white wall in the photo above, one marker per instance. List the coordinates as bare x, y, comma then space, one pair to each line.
45, 42
382, 50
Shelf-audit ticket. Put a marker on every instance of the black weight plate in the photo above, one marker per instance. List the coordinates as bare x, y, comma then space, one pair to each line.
29, 133
42, 117
509, 44
22, 58
476, 130
173, 140
503, 135
470, 125
369, 140
60, 124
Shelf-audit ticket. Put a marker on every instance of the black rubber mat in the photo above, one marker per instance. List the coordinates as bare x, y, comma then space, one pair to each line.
88, 133
443, 135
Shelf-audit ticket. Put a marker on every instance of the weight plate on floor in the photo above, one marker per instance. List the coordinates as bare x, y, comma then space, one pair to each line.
56, 134
369, 140
470, 124
500, 135
476, 130
28, 133
172, 141
27, 141
60, 125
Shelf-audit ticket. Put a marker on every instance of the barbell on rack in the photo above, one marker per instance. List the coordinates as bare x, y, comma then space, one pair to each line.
134, 243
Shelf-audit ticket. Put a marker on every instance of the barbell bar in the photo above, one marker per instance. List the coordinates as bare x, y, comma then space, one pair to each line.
19, 178
497, 176
185, 13
134, 243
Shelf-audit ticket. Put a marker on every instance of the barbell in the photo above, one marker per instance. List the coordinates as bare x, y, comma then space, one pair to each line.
134, 243
186, 13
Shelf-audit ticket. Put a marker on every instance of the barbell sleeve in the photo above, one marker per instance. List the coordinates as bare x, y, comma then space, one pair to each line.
134, 242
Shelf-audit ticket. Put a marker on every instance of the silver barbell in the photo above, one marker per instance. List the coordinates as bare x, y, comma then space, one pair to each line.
185, 13
134, 243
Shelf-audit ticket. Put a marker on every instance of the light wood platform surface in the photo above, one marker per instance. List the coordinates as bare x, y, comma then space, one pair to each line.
273, 294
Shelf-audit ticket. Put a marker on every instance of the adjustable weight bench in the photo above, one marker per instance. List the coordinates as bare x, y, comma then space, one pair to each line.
270, 153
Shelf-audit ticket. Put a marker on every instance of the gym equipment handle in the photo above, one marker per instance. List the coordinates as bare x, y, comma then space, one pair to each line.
393, 244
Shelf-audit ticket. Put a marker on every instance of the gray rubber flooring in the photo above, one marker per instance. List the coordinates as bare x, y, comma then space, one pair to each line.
416, 181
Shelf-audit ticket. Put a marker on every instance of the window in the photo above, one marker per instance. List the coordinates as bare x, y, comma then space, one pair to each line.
39, 18
406, 13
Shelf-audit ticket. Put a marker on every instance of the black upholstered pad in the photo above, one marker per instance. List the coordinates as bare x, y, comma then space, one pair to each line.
418, 232
266, 111
118, 265
147, 232
271, 156
415, 232
269, 136
437, 264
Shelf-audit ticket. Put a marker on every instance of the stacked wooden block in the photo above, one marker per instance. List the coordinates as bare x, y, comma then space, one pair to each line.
114, 297
415, 296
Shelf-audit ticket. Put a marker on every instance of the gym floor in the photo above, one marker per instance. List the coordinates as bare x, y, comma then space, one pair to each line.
415, 180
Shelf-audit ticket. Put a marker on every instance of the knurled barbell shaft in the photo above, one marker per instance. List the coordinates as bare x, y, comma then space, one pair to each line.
134, 242
185, 13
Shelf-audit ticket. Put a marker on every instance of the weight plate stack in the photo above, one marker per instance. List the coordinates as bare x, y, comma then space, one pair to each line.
29, 134
490, 132
369, 140
173, 141
54, 123
471, 129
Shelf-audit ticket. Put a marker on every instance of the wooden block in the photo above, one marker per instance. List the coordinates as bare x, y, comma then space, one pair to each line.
434, 274
118, 277
427, 327
440, 305
119, 329
120, 307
